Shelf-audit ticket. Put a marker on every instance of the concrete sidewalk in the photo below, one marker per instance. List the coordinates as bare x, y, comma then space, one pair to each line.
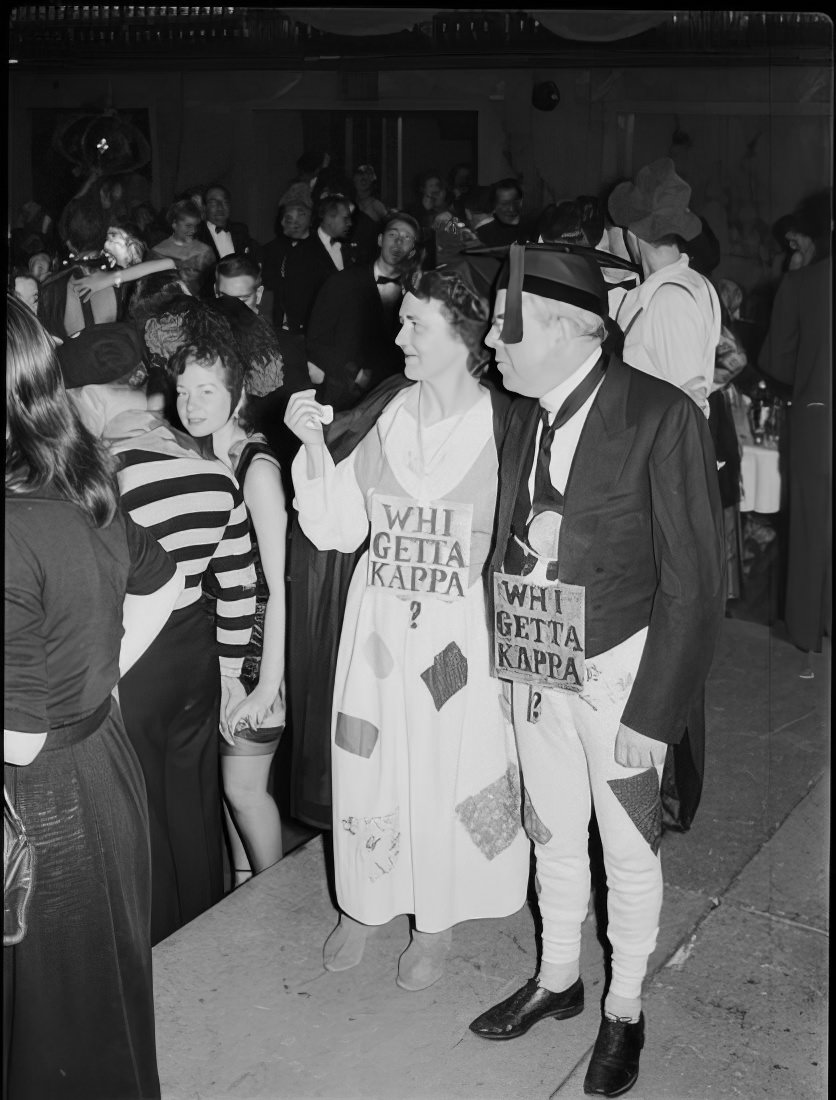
736, 1006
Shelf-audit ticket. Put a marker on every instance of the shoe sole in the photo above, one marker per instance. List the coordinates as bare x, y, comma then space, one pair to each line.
560, 1014
620, 1092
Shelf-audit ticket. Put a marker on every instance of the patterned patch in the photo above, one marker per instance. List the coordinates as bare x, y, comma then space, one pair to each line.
447, 675
356, 735
379, 839
377, 654
532, 823
492, 817
639, 795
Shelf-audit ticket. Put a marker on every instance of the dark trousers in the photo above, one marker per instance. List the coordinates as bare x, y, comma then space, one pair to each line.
170, 701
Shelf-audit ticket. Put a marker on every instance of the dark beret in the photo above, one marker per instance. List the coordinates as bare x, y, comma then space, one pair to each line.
100, 354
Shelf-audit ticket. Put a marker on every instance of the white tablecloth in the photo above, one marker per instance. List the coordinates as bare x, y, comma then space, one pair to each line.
761, 479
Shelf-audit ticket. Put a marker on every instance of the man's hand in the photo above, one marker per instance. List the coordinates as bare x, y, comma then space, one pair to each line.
634, 750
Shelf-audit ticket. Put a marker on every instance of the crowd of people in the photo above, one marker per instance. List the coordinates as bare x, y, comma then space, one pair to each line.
453, 492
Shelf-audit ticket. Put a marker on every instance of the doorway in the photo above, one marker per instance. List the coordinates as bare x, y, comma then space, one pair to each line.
398, 144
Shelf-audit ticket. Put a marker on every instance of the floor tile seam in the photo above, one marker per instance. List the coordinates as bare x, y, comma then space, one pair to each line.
753, 911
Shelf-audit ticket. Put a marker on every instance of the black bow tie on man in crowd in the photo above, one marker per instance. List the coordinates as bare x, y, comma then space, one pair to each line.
382, 280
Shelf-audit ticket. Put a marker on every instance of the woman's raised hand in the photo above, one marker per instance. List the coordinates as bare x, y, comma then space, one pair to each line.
305, 417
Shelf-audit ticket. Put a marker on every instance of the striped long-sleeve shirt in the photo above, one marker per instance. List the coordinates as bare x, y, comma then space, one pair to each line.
195, 510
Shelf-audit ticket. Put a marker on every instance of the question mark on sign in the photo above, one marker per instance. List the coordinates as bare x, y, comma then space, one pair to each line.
415, 609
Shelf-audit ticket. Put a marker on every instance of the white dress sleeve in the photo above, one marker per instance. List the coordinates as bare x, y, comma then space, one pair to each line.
332, 508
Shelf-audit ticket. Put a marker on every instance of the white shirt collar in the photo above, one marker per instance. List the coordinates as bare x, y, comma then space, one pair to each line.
326, 239
552, 400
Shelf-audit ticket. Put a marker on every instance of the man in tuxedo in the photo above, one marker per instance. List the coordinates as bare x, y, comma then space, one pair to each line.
318, 257
351, 335
506, 203
239, 277
222, 235
608, 597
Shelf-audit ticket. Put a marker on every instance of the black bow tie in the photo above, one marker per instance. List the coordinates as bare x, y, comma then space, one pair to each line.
382, 280
336, 240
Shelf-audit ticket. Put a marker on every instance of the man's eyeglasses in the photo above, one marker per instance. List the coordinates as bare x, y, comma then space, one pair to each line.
401, 238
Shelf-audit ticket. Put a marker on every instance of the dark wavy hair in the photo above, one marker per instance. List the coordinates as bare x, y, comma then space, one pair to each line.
47, 446
254, 336
204, 351
153, 294
467, 312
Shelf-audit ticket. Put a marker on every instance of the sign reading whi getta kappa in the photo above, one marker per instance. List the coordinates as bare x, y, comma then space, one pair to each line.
422, 548
539, 632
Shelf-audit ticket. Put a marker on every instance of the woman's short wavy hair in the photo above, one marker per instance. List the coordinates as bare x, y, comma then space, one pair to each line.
467, 312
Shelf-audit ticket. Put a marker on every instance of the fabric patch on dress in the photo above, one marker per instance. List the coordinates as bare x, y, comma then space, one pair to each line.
492, 817
447, 675
377, 654
379, 839
533, 825
639, 795
355, 735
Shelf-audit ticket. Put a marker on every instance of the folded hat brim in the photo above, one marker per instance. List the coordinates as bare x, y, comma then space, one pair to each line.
628, 208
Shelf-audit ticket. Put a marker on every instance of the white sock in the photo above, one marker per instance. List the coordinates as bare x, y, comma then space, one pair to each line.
556, 977
623, 1008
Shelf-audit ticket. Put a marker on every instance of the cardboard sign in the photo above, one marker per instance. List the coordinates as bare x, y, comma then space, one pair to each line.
539, 632
423, 548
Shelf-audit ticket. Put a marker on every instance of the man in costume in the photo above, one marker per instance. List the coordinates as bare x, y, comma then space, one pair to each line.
608, 597
671, 320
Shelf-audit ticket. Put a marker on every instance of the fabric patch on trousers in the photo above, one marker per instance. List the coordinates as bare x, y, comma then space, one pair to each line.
534, 827
639, 795
447, 675
378, 656
492, 817
355, 735
379, 839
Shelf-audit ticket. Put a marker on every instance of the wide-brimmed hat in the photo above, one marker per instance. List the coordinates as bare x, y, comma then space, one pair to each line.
100, 354
655, 204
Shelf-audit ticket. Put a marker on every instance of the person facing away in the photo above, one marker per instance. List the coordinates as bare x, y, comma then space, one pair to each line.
608, 497
671, 320
184, 687
86, 592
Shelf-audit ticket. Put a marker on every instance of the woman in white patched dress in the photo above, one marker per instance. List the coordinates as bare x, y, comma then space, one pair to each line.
426, 793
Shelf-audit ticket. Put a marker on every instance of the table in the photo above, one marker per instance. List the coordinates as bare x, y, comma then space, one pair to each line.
761, 478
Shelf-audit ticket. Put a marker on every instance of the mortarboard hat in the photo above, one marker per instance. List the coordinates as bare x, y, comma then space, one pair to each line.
100, 354
561, 271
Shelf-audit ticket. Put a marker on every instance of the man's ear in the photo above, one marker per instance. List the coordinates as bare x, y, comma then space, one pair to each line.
380, 240
258, 294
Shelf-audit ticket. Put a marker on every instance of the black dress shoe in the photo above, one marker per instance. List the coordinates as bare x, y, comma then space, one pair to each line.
517, 1013
614, 1066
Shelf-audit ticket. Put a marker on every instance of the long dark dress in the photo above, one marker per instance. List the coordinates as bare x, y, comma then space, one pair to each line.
78, 989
